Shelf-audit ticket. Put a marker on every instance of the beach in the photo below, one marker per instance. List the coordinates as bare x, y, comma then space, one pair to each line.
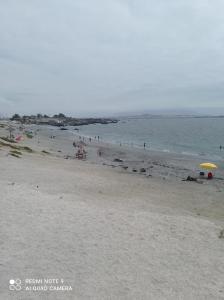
121, 224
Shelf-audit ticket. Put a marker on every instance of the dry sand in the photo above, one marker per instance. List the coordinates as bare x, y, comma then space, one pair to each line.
109, 233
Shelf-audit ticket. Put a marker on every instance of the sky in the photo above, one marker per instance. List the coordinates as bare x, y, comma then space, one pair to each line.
103, 57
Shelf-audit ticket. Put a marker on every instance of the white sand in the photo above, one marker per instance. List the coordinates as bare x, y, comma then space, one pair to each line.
108, 234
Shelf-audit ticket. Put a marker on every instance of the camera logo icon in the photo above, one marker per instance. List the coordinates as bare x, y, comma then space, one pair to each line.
15, 285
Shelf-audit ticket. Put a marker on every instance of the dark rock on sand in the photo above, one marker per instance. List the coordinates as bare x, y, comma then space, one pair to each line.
118, 160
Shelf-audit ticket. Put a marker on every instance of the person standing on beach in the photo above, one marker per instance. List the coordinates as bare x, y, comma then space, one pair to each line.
144, 145
99, 153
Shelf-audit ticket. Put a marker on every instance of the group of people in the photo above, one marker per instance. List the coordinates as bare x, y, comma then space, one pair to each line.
90, 139
82, 138
81, 152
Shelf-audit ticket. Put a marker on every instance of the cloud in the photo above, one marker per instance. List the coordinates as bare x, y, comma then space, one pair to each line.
88, 56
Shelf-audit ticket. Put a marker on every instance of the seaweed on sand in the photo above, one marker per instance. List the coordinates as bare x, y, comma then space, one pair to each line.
45, 152
16, 147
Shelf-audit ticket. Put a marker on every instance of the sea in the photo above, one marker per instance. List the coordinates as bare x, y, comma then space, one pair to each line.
193, 136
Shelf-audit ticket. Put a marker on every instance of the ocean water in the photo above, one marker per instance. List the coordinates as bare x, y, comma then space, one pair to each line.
191, 136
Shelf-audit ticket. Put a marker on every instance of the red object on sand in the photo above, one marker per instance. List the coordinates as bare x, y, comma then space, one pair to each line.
210, 176
18, 138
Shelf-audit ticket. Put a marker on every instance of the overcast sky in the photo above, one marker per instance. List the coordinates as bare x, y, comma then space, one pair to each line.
107, 56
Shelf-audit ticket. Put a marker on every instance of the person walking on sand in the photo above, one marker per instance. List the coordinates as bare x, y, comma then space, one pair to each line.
144, 145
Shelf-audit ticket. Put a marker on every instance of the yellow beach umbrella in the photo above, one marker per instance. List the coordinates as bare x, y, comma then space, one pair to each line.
208, 166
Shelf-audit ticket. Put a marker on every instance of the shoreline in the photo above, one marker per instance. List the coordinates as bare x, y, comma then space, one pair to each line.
192, 139
77, 131
168, 164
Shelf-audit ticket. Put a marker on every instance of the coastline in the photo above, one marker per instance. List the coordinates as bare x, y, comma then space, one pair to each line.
189, 136
135, 157
160, 167
109, 231
170, 168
